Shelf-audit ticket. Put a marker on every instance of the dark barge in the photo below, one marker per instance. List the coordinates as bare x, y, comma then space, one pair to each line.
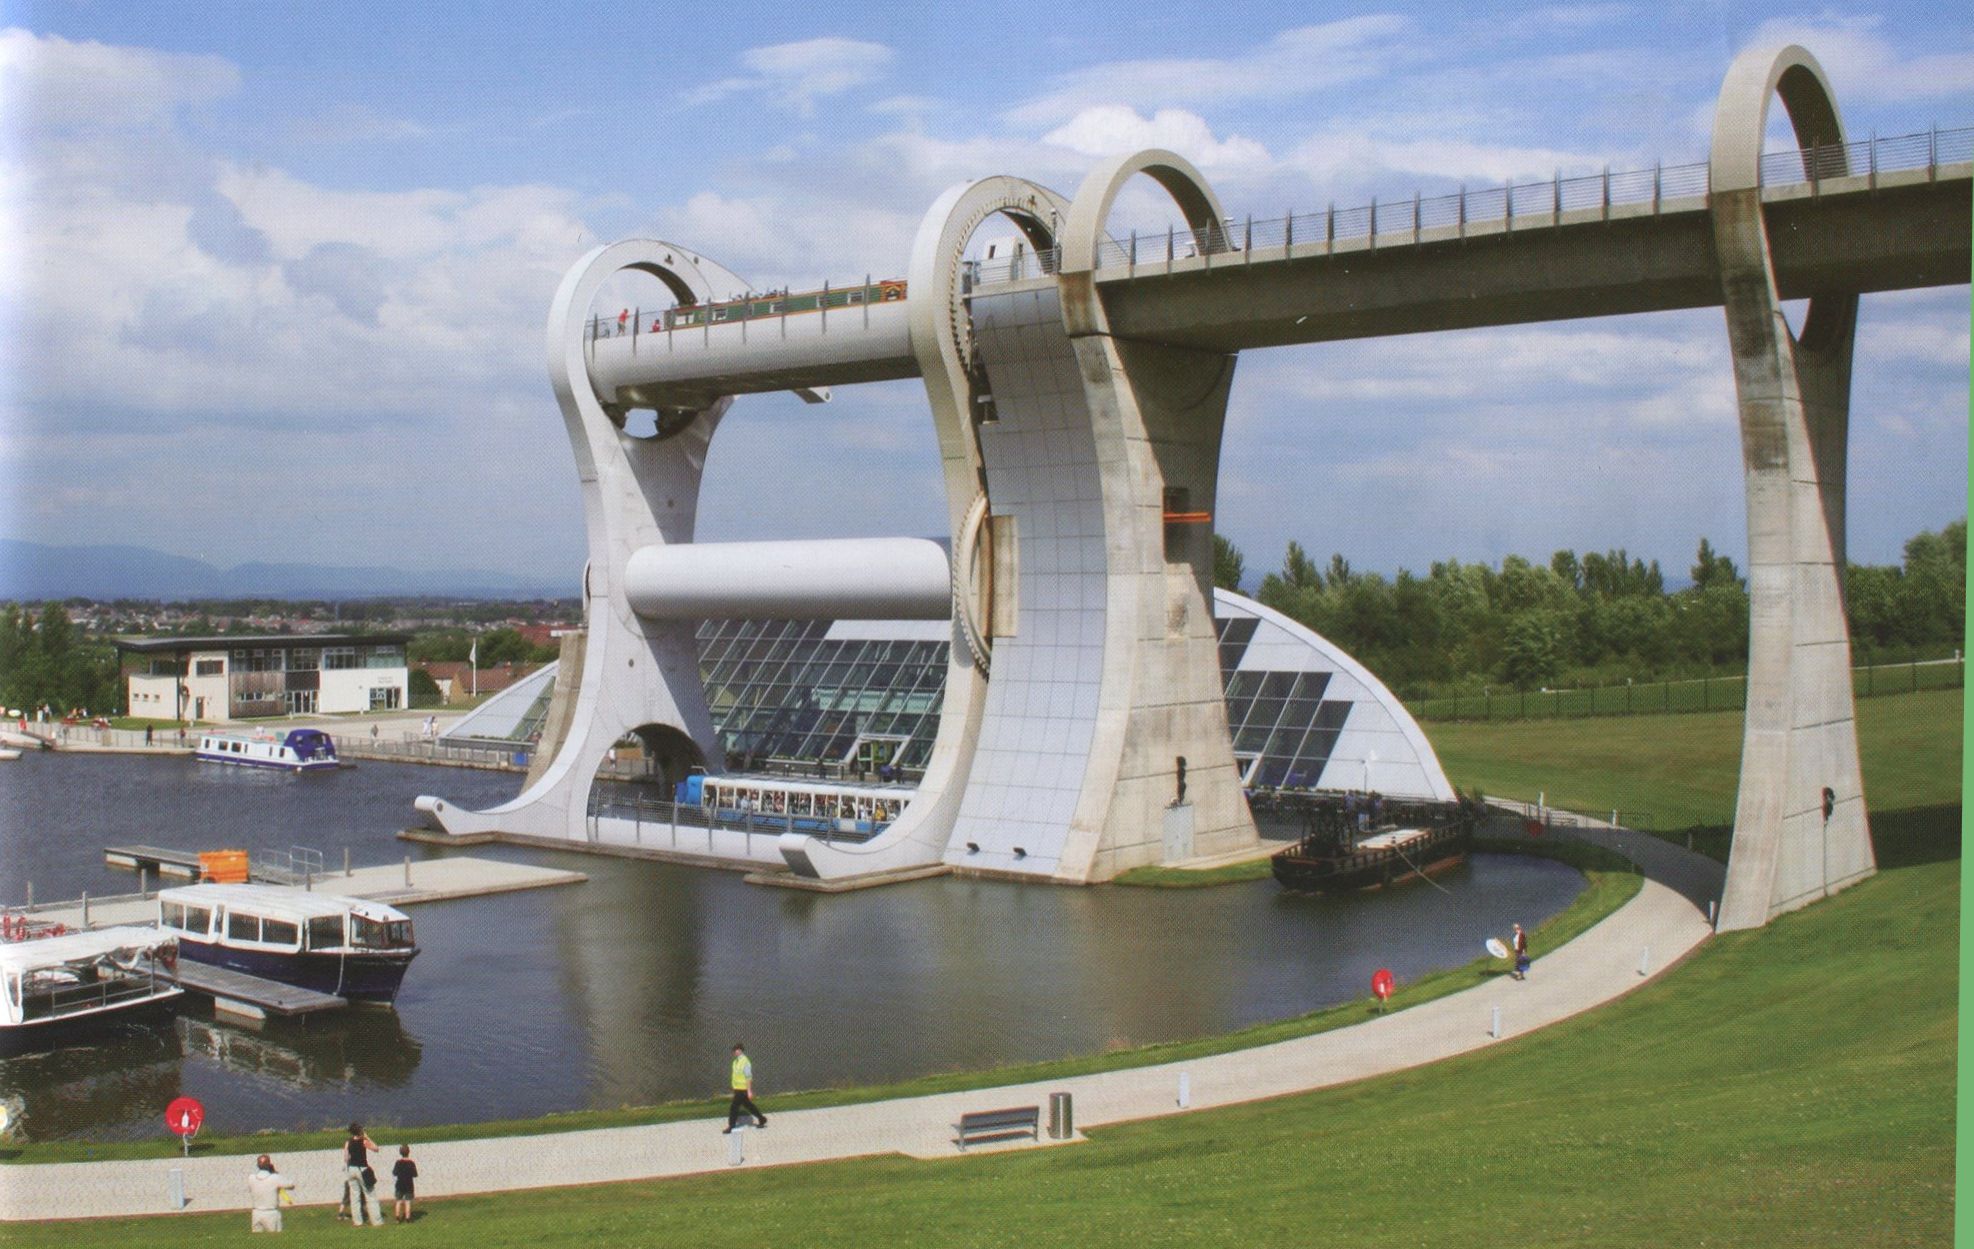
1353, 842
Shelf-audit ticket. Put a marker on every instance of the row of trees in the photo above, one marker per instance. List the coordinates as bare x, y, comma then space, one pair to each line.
496, 646
47, 660
1589, 619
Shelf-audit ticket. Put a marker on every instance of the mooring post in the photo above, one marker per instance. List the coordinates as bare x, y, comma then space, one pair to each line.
85, 908
1494, 1027
736, 1151
346, 860
407, 871
1185, 1089
1645, 962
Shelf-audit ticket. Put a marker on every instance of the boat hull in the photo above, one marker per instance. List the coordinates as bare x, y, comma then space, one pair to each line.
278, 765
1306, 869
41, 1035
370, 976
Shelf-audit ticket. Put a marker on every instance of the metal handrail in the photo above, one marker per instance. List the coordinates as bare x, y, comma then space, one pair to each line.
1392, 223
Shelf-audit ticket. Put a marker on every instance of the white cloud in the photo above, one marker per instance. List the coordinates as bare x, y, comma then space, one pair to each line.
796, 75
1107, 129
1863, 64
48, 80
1293, 63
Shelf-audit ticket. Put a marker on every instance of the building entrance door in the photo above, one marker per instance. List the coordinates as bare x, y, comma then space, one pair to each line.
301, 702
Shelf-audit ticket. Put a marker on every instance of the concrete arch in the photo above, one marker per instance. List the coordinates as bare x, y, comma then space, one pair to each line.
1800, 829
942, 340
1083, 233
637, 492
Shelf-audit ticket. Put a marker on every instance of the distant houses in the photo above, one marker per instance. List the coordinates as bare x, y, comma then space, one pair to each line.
458, 682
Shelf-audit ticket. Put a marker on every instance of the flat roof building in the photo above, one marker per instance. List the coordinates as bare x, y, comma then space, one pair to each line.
217, 679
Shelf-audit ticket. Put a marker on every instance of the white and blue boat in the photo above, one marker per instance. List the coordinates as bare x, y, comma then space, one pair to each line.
301, 750
59, 988
350, 947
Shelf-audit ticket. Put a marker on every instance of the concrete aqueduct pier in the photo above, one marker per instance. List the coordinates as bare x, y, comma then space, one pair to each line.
1078, 392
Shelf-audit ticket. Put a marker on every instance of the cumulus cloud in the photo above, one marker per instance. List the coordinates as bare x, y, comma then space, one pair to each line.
1107, 129
796, 75
1863, 64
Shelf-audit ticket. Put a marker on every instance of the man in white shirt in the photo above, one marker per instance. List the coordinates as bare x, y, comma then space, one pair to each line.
266, 1184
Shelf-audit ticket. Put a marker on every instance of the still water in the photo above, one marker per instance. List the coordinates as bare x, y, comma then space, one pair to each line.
629, 989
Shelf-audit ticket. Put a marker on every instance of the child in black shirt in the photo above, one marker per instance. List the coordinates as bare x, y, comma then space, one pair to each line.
404, 1170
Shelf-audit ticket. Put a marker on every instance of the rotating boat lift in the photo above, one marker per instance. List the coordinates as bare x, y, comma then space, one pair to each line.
1084, 679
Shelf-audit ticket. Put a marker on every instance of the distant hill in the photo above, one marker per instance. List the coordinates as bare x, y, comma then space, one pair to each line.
32, 571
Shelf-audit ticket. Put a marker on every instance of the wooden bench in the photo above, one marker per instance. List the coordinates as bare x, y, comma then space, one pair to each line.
1000, 1125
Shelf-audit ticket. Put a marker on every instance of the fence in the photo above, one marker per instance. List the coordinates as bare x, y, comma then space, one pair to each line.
1515, 204
1713, 693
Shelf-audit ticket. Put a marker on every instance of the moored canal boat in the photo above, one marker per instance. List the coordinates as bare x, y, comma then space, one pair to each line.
349, 947
299, 750
63, 987
1354, 842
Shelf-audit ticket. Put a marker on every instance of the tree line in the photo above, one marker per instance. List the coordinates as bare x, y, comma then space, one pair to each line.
47, 660
1594, 619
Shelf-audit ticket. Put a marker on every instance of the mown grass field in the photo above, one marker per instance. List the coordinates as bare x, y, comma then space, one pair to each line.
1791, 1086
1677, 772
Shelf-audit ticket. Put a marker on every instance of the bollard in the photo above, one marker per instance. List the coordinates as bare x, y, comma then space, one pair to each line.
1062, 1116
346, 860
308, 880
1494, 1028
1645, 962
175, 1188
143, 881
85, 908
30, 895
1710, 912
735, 1151
407, 871
1185, 1089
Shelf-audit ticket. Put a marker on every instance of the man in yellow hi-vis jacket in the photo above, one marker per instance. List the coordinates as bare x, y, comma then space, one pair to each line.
743, 1092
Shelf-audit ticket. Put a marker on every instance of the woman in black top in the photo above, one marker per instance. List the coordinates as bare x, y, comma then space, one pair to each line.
356, 1151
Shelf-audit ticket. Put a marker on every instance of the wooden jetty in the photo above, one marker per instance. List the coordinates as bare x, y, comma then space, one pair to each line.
157, 859
237, 993
400, 884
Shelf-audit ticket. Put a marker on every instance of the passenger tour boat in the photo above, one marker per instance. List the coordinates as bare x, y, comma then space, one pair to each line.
302, 750
346, 946
59, 987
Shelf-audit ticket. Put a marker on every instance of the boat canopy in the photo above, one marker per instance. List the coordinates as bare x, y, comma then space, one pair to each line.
123, 943
280, 900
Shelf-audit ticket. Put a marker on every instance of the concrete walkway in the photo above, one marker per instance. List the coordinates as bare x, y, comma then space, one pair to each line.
1664, 922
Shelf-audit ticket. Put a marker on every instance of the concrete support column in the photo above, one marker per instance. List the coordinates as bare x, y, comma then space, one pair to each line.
638, 492
1105, 742
1800, 829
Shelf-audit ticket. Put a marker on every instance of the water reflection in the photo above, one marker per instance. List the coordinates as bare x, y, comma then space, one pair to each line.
350, 1050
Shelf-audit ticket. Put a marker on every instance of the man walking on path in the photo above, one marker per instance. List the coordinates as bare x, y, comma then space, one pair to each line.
743, 1092
265, 1186
1521, 953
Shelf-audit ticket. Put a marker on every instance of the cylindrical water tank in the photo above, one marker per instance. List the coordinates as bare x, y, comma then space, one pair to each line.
821, 579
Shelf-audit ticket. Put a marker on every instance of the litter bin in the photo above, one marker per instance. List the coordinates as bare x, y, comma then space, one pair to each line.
1062, 1117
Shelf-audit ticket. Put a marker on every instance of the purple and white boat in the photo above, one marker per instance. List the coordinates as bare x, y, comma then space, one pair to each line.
300, 750
349, 947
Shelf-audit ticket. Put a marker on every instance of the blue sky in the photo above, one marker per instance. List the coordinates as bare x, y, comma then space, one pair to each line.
273, 277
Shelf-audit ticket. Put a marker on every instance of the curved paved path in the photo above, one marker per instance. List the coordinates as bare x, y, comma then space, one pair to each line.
1668, 918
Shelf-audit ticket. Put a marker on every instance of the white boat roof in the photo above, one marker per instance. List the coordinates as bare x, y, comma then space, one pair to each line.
75, 947
280, 900
799, 785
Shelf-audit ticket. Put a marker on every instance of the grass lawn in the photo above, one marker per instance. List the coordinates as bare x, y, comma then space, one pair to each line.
1677, 772
1791, 1086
